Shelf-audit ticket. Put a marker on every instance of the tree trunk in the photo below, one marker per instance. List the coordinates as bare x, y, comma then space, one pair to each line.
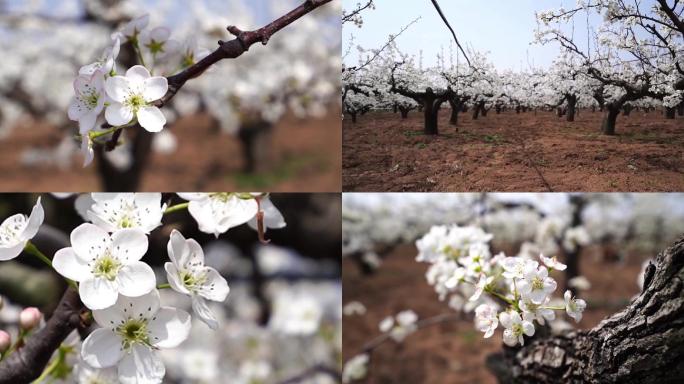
453, 120
641, 344
395, 107
670, 113
608, 126
404, 112
257, 150
680, 109
476, 111
353, 117
114, 179
431, 112
572, 103
626, 110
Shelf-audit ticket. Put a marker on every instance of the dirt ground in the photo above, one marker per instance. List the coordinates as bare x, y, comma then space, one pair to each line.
453, 352
503, 152
308, 153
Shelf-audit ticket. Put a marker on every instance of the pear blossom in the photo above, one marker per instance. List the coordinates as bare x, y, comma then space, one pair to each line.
480, 286
536, 284
400, 326
216, 213
486, 319
131, 97
532, 311
515, 328
553, 263
17, 230
188, 275
133, 329
156, 41
272, 216
106, 64
296, 314
132, 29
356, 368
574, 307
89, 101
191, 53
114, 211
514, 267
106, 265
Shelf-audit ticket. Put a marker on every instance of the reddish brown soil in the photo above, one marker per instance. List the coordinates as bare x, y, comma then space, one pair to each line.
308, 154
452, 352
382, 152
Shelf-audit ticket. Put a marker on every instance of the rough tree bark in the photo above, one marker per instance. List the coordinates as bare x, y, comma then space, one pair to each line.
610, 118
572, 103
644, 343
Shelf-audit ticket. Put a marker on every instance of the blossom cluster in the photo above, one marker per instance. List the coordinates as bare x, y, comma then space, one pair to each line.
105, 260
129, 99
514, 291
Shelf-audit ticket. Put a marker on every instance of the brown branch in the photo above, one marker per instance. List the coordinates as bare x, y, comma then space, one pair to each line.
27, 363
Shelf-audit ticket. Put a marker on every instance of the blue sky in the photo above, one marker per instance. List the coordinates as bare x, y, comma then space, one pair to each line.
505, 28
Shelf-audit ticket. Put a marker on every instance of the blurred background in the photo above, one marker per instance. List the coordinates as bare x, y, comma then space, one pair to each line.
281, 320
268, 120
605, 239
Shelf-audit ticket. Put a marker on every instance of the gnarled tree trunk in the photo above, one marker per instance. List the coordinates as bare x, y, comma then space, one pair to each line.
644, 343
609, 120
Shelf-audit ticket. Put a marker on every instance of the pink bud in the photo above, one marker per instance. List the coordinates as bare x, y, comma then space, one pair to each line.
5, 341
29, 318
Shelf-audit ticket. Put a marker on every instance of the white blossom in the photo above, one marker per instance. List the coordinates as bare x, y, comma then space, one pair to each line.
216, 213
573, 306
113, 211
515, 328
131, 97
17, 230
486, 319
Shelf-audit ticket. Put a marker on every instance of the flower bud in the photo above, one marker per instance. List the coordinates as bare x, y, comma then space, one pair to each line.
5, 341
29, 318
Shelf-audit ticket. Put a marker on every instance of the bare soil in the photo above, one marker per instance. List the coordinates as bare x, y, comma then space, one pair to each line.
307, 153
454, 352
513, 152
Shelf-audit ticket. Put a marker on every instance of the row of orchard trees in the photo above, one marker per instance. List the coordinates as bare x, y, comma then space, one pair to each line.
623, 69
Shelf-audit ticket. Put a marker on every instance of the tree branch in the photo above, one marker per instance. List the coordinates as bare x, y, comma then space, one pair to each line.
27, 363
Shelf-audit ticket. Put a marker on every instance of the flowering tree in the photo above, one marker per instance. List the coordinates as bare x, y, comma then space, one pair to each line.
114, 289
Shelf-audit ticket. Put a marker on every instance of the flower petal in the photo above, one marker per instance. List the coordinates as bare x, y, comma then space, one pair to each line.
136, 279
35, 220
177, 248
89, 241
173, 277
12, 251
129, 245
117, 88
141, 366
98, 293
110, 318
102, 348
151, 118
138, 73
215, 288
155, 88
67, 264
87, 122
200, 307
118, 114
145, 306
169, 327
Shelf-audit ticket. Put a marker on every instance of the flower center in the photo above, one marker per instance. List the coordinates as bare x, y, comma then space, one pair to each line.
155, 47
107, 267
193, 280
133, 331
188, 60
517, 329
537, 284
10, 229
135, 102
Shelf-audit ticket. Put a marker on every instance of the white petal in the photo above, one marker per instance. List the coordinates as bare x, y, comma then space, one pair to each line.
136, 279
129, 245
151, 118
98, 293
102, 348
509, 338
215, 288
150, 205
173, 277
87, 150
241, 211
89, 241
76, 110
176, 247
169, 327
272, 216
117, 88
35, 220
200, 307
145, 306
110, 318
87, 122
118, 114
195, 253
67, 264
12, 251
155, 88
141, 366
138, 73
